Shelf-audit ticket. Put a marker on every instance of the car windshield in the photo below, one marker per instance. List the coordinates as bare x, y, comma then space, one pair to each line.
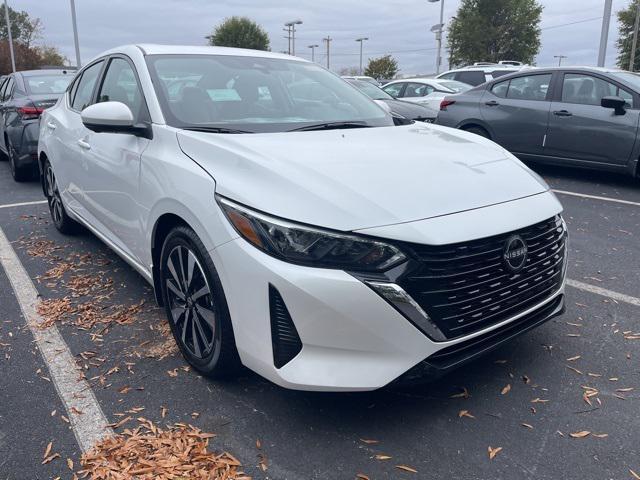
632, 79
455, 86
257, 94
371, 90
43, 84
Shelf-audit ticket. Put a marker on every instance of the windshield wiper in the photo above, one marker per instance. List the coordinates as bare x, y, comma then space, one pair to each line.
330, 126
215, 130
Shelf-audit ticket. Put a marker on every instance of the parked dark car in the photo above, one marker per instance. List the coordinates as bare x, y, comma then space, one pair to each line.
408, 110
580, 116
23, 97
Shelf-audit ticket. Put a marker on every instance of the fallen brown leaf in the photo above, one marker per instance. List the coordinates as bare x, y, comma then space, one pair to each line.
383, 457
493, 452
406, 469
581, 434
506, 389
465, 413
369, 441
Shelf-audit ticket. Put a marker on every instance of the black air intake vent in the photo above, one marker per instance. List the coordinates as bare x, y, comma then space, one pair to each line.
284, 336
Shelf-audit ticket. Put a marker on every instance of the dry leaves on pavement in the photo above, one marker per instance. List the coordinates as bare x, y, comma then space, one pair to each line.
493, 452
149, 452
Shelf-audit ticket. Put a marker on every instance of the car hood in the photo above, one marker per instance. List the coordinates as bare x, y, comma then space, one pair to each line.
410, 110
361, 178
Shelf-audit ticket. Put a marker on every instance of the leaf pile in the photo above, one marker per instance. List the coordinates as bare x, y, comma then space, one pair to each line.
149, 452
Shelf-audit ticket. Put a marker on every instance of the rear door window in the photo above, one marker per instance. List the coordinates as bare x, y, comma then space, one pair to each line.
500, 89
531, 87
6, 94
417, 90
473, 77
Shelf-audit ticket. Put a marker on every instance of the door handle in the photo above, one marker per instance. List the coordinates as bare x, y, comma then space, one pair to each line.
563, 113
83, 144
51, 125
492, 103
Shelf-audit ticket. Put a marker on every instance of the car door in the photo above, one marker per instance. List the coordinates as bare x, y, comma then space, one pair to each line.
113, 160
581, 129
517, 112
69, 144
415, 92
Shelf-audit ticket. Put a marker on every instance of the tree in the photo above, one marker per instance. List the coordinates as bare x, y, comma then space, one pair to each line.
24, 29
50, 56
240, 32
626, 20
382, 68
494, 30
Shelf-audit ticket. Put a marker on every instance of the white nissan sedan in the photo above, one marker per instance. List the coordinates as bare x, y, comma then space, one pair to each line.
288, 224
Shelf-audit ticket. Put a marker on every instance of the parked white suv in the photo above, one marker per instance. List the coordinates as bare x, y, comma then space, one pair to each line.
481, 72
288, 225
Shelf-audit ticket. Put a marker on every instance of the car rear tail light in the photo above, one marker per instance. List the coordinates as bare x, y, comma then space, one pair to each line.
30, 112
445, 103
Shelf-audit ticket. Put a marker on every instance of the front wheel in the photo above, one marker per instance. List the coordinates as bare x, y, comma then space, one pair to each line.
61, 220
196, 305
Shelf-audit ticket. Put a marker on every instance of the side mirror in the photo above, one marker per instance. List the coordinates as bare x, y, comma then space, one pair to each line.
112, 117
617, 103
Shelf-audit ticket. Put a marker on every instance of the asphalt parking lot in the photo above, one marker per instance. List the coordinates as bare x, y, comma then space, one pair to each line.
561, 402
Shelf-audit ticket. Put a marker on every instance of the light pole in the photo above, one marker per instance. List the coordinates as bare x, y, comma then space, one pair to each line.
560, 58
75, 33
6, 17
604, 35
361, 40
327, 40
634, 45
313, 52
292, 27
438, 33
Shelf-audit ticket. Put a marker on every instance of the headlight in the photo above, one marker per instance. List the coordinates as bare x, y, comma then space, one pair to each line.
310, 246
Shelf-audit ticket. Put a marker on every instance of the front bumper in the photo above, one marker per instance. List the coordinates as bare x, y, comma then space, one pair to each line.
352, 339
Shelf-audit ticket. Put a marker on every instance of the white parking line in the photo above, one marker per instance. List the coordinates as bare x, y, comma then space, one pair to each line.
596, 197
87, 419
23, 204
620, 297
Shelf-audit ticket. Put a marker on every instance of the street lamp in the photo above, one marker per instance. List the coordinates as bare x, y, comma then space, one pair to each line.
313, 51
438, 31
361, 40
560, 58
75, 33
292, 32
6, 16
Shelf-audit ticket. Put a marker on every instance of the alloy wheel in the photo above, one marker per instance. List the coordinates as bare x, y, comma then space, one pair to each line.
190, 302
53, 194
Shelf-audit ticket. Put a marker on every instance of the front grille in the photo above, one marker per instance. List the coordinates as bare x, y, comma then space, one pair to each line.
465, 287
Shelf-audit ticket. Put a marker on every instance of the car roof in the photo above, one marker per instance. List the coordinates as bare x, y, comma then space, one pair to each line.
47, 71
157, 49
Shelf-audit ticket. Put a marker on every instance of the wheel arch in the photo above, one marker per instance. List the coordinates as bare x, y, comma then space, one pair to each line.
42, 158
471, 123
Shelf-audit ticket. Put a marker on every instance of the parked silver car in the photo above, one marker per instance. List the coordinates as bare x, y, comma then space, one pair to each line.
579, 116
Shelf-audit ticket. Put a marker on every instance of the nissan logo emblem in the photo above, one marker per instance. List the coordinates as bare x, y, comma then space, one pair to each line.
515, 253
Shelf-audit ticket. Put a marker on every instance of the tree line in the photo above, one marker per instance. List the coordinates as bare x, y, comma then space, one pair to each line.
25, 32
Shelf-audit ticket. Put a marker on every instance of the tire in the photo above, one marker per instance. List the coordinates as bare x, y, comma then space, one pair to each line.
19, 174
478, 131
197, 309
63, 223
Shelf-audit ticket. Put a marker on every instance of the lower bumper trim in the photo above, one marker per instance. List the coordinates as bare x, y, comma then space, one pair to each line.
457, 355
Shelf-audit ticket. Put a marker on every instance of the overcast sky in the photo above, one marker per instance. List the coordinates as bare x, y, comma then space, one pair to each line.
399, 27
